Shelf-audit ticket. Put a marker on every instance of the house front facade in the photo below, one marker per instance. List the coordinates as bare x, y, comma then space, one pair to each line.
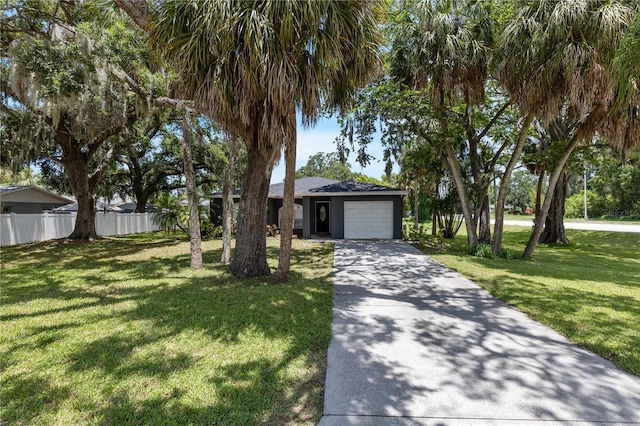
328, 208
29, 200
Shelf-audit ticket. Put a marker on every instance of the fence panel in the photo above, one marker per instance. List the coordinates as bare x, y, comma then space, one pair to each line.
29, 228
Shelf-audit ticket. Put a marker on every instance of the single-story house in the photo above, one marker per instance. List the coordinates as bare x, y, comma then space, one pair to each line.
101, 206
29, 200
325, 207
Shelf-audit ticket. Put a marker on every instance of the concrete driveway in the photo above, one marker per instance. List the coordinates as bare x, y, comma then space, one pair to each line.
414, 343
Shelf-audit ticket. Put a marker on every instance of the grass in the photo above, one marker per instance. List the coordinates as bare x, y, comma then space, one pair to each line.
589, 290
627, 220
121, 331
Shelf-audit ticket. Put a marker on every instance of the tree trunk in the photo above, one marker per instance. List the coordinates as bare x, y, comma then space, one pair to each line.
286, 223
496, 245
484, 216
416, 203
85, 226
558, 168
76, 168
192, 197
456, 173
141, 204
539, 193
250, 259
227, 201
554, 232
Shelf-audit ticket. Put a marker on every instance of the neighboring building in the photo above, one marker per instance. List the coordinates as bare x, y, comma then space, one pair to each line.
101, 206
29, 200
348, 209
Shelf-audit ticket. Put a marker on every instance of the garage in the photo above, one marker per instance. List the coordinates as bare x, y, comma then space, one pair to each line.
368, 219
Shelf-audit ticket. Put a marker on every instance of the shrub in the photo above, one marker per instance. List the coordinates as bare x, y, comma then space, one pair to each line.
597, 205
482, 250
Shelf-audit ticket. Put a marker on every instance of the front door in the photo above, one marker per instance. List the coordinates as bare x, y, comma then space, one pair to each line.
322, 217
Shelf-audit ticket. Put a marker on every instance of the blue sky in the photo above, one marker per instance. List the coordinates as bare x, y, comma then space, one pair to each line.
320, 138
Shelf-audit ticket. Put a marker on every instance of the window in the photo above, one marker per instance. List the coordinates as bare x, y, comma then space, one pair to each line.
297, 216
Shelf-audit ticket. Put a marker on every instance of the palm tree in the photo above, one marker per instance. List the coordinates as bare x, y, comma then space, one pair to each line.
554, 55
250, 66
445, 47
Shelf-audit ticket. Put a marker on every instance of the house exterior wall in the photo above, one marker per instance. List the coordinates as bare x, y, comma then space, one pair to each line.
27, 208
309, 215
215, 211
336, 212
273, 205
336, 217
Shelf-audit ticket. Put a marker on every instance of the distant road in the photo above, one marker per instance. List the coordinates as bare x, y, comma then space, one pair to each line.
587, 226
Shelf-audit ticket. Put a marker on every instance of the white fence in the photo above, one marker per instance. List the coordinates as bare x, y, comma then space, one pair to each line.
29, 228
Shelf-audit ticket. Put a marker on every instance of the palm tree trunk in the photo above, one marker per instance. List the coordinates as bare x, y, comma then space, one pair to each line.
558, 168
467, 211
498, 230
227, 202
194, 217
250, 257
554, 232
286, 224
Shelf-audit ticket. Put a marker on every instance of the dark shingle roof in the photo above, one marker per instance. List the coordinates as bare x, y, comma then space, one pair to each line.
6, 189
353, 186
319, 185
302, 186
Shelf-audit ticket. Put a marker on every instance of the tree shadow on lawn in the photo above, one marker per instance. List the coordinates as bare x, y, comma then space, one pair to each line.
174, 305
611, 257
248, 390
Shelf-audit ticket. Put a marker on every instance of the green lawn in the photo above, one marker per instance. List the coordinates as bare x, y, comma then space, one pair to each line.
121, 331
589, 291
627, 220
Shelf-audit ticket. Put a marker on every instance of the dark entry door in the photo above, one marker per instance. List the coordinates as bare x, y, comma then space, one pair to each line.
322, 217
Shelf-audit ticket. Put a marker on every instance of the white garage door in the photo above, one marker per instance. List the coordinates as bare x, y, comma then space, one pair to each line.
368, 219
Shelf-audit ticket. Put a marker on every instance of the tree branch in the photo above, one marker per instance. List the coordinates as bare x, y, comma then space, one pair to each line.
102, 167
138, 10
493, 120
159, 100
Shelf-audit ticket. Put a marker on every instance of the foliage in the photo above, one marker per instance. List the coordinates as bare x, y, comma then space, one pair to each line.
64, 98
273, 230
413, 232
597, 205
23, 177
554, 58
599, 270
519, 194
485, 251
250, 66
172, 213
627, 61
482, 250
420, 235
153, 162
121, 331
435, 94
447, 211
618, 182
326, 165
